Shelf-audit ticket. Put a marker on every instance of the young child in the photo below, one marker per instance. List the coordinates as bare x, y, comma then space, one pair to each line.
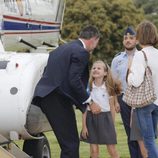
99, 128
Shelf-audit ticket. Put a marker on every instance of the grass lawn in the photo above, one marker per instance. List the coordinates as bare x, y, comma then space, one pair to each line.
84, 147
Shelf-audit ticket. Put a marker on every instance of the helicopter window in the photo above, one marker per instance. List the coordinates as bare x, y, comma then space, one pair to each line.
3, 64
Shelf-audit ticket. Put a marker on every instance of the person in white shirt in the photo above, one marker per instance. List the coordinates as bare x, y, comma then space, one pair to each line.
147, 116
99, 128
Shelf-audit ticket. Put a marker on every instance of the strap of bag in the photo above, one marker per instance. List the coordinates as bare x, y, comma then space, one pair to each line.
146, 61
145, 57
127, 75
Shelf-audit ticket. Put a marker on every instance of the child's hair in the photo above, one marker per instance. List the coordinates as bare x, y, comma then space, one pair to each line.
113, 86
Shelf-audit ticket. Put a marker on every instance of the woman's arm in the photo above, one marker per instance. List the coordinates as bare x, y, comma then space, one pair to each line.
137, 70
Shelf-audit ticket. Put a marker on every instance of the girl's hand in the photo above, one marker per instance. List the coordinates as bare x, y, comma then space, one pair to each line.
84, 132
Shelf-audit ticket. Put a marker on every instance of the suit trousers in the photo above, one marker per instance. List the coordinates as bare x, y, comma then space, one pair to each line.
125, 112
61, 116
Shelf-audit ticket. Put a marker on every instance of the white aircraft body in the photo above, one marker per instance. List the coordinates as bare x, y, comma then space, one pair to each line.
29, 29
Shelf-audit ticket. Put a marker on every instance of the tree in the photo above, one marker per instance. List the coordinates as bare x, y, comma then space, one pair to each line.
150, 8
110, 16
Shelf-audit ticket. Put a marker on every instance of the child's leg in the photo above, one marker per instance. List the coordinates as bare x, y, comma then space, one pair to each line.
112, 151
143, 150
94, 150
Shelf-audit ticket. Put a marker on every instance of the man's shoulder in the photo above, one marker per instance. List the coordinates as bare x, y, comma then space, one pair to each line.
119, 56
71, 46
75, 45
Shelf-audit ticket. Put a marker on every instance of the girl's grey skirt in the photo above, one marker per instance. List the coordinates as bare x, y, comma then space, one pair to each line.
101, 128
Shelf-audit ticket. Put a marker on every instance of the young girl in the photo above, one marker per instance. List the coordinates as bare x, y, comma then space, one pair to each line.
99, 128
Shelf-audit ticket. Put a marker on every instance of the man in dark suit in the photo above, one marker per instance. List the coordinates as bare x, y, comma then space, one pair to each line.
63, 85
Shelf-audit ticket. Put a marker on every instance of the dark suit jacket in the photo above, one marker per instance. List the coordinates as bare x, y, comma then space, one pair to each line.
67, 71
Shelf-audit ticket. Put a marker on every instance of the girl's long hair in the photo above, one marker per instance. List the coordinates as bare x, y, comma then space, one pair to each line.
113, 86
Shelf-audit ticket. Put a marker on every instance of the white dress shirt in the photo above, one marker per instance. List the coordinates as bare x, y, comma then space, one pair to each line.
101, 97
136, 76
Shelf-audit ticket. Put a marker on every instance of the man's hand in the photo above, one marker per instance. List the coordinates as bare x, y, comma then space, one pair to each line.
95, 108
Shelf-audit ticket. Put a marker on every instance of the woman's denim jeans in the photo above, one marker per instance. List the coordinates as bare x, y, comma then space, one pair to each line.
148, 117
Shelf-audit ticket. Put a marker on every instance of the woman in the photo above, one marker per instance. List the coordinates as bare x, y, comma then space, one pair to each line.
148, 116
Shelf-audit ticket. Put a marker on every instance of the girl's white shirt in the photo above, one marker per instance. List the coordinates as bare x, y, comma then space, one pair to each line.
100, 96
136, 76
